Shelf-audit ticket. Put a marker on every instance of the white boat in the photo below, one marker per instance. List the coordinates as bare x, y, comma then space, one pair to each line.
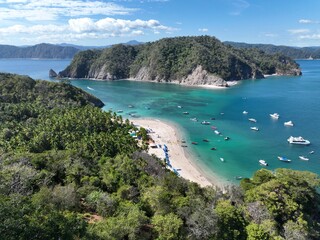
254, 128
194, 119
245, 112
222, 159
298, 140
304, 158
252, 120
119, 111
289, 123
179, 106
216, 132
275, 115
284, 159
263, 162
205, 123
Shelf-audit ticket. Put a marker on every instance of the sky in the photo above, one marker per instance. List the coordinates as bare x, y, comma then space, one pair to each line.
104, 22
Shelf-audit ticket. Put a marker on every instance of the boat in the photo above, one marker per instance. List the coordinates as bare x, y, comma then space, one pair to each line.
263, 162
274, 115
179, 106
216, 132
213, 118
119, 111
311, 152
238, 177
130, 106
213, 127
205, 140
194, 119
194, 143
227, 138
284, 159
252, 120
298, 140
205, 123
222, 159
245, 112
304, 158
90, 88
254, 128
213, 148
289, 123
185, 113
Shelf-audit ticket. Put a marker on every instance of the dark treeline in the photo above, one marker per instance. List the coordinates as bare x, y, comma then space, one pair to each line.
69, 170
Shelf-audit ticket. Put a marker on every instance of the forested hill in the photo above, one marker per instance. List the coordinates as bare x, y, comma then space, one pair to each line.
292, 52
42, 50
69, 170
185, 60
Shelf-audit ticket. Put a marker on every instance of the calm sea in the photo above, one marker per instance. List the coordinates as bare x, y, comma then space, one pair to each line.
294, 98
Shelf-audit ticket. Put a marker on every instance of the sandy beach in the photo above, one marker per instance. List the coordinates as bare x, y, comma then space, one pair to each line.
164, 133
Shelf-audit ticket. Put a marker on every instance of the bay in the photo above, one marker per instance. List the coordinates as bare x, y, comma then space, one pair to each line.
294, 98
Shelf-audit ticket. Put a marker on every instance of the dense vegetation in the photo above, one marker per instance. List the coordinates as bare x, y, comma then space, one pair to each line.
292, 52
68, 170
175, 58
38, 51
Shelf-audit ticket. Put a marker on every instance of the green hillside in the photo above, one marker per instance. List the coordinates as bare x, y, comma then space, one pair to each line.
69, 170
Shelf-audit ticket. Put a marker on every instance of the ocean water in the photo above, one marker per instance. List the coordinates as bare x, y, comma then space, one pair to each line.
294, 98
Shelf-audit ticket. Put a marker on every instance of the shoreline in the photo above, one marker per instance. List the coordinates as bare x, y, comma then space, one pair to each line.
165, 133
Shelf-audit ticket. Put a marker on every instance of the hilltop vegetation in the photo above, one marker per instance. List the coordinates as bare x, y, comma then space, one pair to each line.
72, 171
185, 60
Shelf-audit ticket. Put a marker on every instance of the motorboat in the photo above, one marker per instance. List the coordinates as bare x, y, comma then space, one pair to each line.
238, 177
304, 158
252, 120
284, 159
298, 140
185, 113
245, 112
222, 159
120, 111
213, 127
194, 143
254, 128
213, 148
289, 123
263, 162
194, 119
205, 123
275, 115
205, 140
227, 138
179, 106
216, 132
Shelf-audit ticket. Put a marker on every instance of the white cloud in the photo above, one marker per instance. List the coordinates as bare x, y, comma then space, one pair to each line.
203, 29
34, 10
85, 28
298, 31
310, 37
308, 21
239, 6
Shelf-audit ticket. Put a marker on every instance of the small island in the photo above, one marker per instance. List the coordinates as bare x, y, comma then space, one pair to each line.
202, 60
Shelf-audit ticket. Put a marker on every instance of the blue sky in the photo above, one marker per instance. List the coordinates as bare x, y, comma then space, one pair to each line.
102, 22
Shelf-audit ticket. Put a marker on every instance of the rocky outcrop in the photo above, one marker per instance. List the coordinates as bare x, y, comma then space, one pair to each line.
52, 73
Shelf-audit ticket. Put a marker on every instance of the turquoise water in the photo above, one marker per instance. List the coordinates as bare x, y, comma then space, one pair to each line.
294, 98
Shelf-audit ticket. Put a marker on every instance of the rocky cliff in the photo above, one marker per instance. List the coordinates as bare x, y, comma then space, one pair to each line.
185, 60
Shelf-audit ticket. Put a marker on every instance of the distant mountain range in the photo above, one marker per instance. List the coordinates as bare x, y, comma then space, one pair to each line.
292, 52
67, 51
45, 50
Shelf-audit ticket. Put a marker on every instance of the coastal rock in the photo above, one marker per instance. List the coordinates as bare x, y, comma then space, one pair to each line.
52, 73
199, 76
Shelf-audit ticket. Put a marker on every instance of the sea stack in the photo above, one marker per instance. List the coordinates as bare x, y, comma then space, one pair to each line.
52, 73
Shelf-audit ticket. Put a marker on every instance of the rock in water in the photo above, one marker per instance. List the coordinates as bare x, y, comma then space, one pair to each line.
52, 73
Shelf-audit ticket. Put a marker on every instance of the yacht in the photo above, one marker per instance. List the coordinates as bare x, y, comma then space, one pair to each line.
284, 159
275, 115
205, 123
289, 123
252, 120
304, 158
263, 162
298, 140
254, 128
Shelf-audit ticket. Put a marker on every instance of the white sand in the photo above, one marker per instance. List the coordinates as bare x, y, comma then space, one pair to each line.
164, 133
